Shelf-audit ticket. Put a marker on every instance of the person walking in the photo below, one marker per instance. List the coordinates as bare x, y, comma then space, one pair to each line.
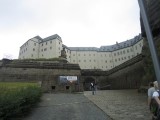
151, 90
155, 102
92, 87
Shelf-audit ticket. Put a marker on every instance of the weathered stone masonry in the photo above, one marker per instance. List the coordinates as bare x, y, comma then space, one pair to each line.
45, 73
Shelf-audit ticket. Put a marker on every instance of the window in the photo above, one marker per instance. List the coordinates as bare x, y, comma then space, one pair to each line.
106, 61
128, 57
84, 60
114, 54
140, 44
42, 44
46, 43
127, 50
79, 60
136, 47
34, 44
42, 50
89, 60
33, 49
123, 51
50, 41
45, 49
50, 48
115, 60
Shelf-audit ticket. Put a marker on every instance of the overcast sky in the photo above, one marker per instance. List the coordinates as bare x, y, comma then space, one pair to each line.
80, 23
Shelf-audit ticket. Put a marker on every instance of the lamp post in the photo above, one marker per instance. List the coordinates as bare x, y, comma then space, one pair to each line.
150, 40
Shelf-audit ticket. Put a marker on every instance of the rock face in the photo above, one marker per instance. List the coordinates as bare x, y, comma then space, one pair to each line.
153, 13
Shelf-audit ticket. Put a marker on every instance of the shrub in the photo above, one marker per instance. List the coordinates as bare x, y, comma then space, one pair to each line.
17, 101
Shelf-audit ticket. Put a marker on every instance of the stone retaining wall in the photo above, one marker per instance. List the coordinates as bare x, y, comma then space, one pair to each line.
46, 74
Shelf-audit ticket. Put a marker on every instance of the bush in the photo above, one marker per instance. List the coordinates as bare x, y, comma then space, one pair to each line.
15, 102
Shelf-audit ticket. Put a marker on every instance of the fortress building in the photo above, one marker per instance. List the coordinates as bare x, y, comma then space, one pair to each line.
103, 58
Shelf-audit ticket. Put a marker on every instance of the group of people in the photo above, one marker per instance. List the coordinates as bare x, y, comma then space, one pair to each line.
153, 100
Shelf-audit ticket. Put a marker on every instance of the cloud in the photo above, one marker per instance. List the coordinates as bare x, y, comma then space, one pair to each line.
79, 22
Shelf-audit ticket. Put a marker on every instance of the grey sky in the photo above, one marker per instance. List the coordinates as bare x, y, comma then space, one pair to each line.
80, 23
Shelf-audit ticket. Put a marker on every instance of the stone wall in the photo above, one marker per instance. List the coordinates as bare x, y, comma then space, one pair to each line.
128, 75
45, 74
128, 78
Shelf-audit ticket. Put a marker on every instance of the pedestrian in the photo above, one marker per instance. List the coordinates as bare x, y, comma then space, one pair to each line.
92, 87
151, 90
155, 102
95, 87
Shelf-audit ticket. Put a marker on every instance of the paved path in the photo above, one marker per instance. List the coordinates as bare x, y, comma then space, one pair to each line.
66, 107
121, 104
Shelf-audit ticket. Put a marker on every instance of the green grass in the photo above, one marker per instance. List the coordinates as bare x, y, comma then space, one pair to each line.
14, 86
17, 98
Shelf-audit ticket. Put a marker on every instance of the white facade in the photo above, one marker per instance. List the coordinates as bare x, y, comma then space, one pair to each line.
104, 58
37, 47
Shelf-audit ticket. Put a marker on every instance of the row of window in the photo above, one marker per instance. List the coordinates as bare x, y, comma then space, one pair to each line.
123, 58
91, 55
93, 67
116, 60
105, 61
45, 49
123, 52
48, 42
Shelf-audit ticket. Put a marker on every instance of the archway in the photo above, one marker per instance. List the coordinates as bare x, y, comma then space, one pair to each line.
87, 82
